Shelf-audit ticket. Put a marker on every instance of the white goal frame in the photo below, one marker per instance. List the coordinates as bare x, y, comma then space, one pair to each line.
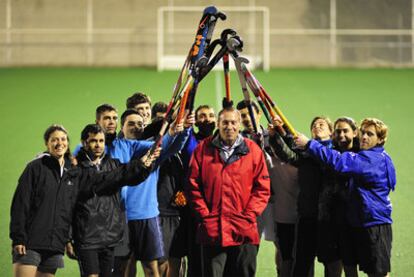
165, 62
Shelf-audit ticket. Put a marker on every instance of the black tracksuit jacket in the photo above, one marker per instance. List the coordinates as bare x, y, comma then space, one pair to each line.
43, 204
99, 221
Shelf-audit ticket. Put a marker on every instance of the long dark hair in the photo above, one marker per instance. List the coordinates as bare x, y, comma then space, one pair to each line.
354, 126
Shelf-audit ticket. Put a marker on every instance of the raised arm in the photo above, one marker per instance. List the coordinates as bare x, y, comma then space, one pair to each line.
283, 146
134, 172
176, 137
347, 162
283, 150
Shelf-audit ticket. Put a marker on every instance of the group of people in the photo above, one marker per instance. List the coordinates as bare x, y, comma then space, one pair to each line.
206, 193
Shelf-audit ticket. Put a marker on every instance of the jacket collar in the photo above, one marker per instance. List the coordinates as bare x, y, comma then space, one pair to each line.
240, 150
327, 143
85, 159
54, 163
218, 143
378, 149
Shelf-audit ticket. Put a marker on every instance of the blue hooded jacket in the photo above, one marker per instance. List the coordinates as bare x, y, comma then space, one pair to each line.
372, 177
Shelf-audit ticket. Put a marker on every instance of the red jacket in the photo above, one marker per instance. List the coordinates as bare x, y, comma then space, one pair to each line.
228, 196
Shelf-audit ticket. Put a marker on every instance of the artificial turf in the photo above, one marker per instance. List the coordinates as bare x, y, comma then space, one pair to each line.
33, 98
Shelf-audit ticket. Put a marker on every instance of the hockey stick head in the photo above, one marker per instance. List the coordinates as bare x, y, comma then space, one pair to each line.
201, 63
242, 61
221, 15
212, 10
227, 32
234, 45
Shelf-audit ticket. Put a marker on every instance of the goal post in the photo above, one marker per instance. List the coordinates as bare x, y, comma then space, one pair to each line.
176, 27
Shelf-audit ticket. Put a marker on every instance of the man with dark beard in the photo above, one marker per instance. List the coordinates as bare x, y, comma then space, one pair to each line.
126, 149
205, 121
94, 247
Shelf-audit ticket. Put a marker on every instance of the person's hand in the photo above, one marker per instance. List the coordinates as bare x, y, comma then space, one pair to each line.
20, 249
176, 127
250, 216
70, 251
301, 141
226, 103
277, 121
149, 158
276, 126
74, 161
271, 130
189, 120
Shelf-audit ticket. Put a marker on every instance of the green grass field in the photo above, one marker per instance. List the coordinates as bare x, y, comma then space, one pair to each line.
31, 99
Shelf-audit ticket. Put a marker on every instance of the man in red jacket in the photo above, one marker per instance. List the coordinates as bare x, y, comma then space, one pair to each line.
229, 187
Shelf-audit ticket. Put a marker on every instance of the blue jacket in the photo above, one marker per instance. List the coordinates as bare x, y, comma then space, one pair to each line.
372, 177
188, 148
141, 201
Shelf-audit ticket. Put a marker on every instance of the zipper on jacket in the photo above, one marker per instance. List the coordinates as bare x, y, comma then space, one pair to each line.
54, 209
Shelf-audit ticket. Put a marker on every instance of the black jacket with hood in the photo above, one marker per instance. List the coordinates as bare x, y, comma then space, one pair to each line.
45, 197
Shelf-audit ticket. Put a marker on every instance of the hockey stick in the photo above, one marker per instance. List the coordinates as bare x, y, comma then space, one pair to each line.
226, 69
257, 86
234, 45
202, 39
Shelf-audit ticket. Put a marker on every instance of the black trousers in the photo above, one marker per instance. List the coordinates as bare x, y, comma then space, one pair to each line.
306, 245
230, 261
194, 249
96, 261
285, 233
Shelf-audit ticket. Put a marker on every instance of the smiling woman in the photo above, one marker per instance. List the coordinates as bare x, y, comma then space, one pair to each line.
44, 200
57, 142
25, 258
